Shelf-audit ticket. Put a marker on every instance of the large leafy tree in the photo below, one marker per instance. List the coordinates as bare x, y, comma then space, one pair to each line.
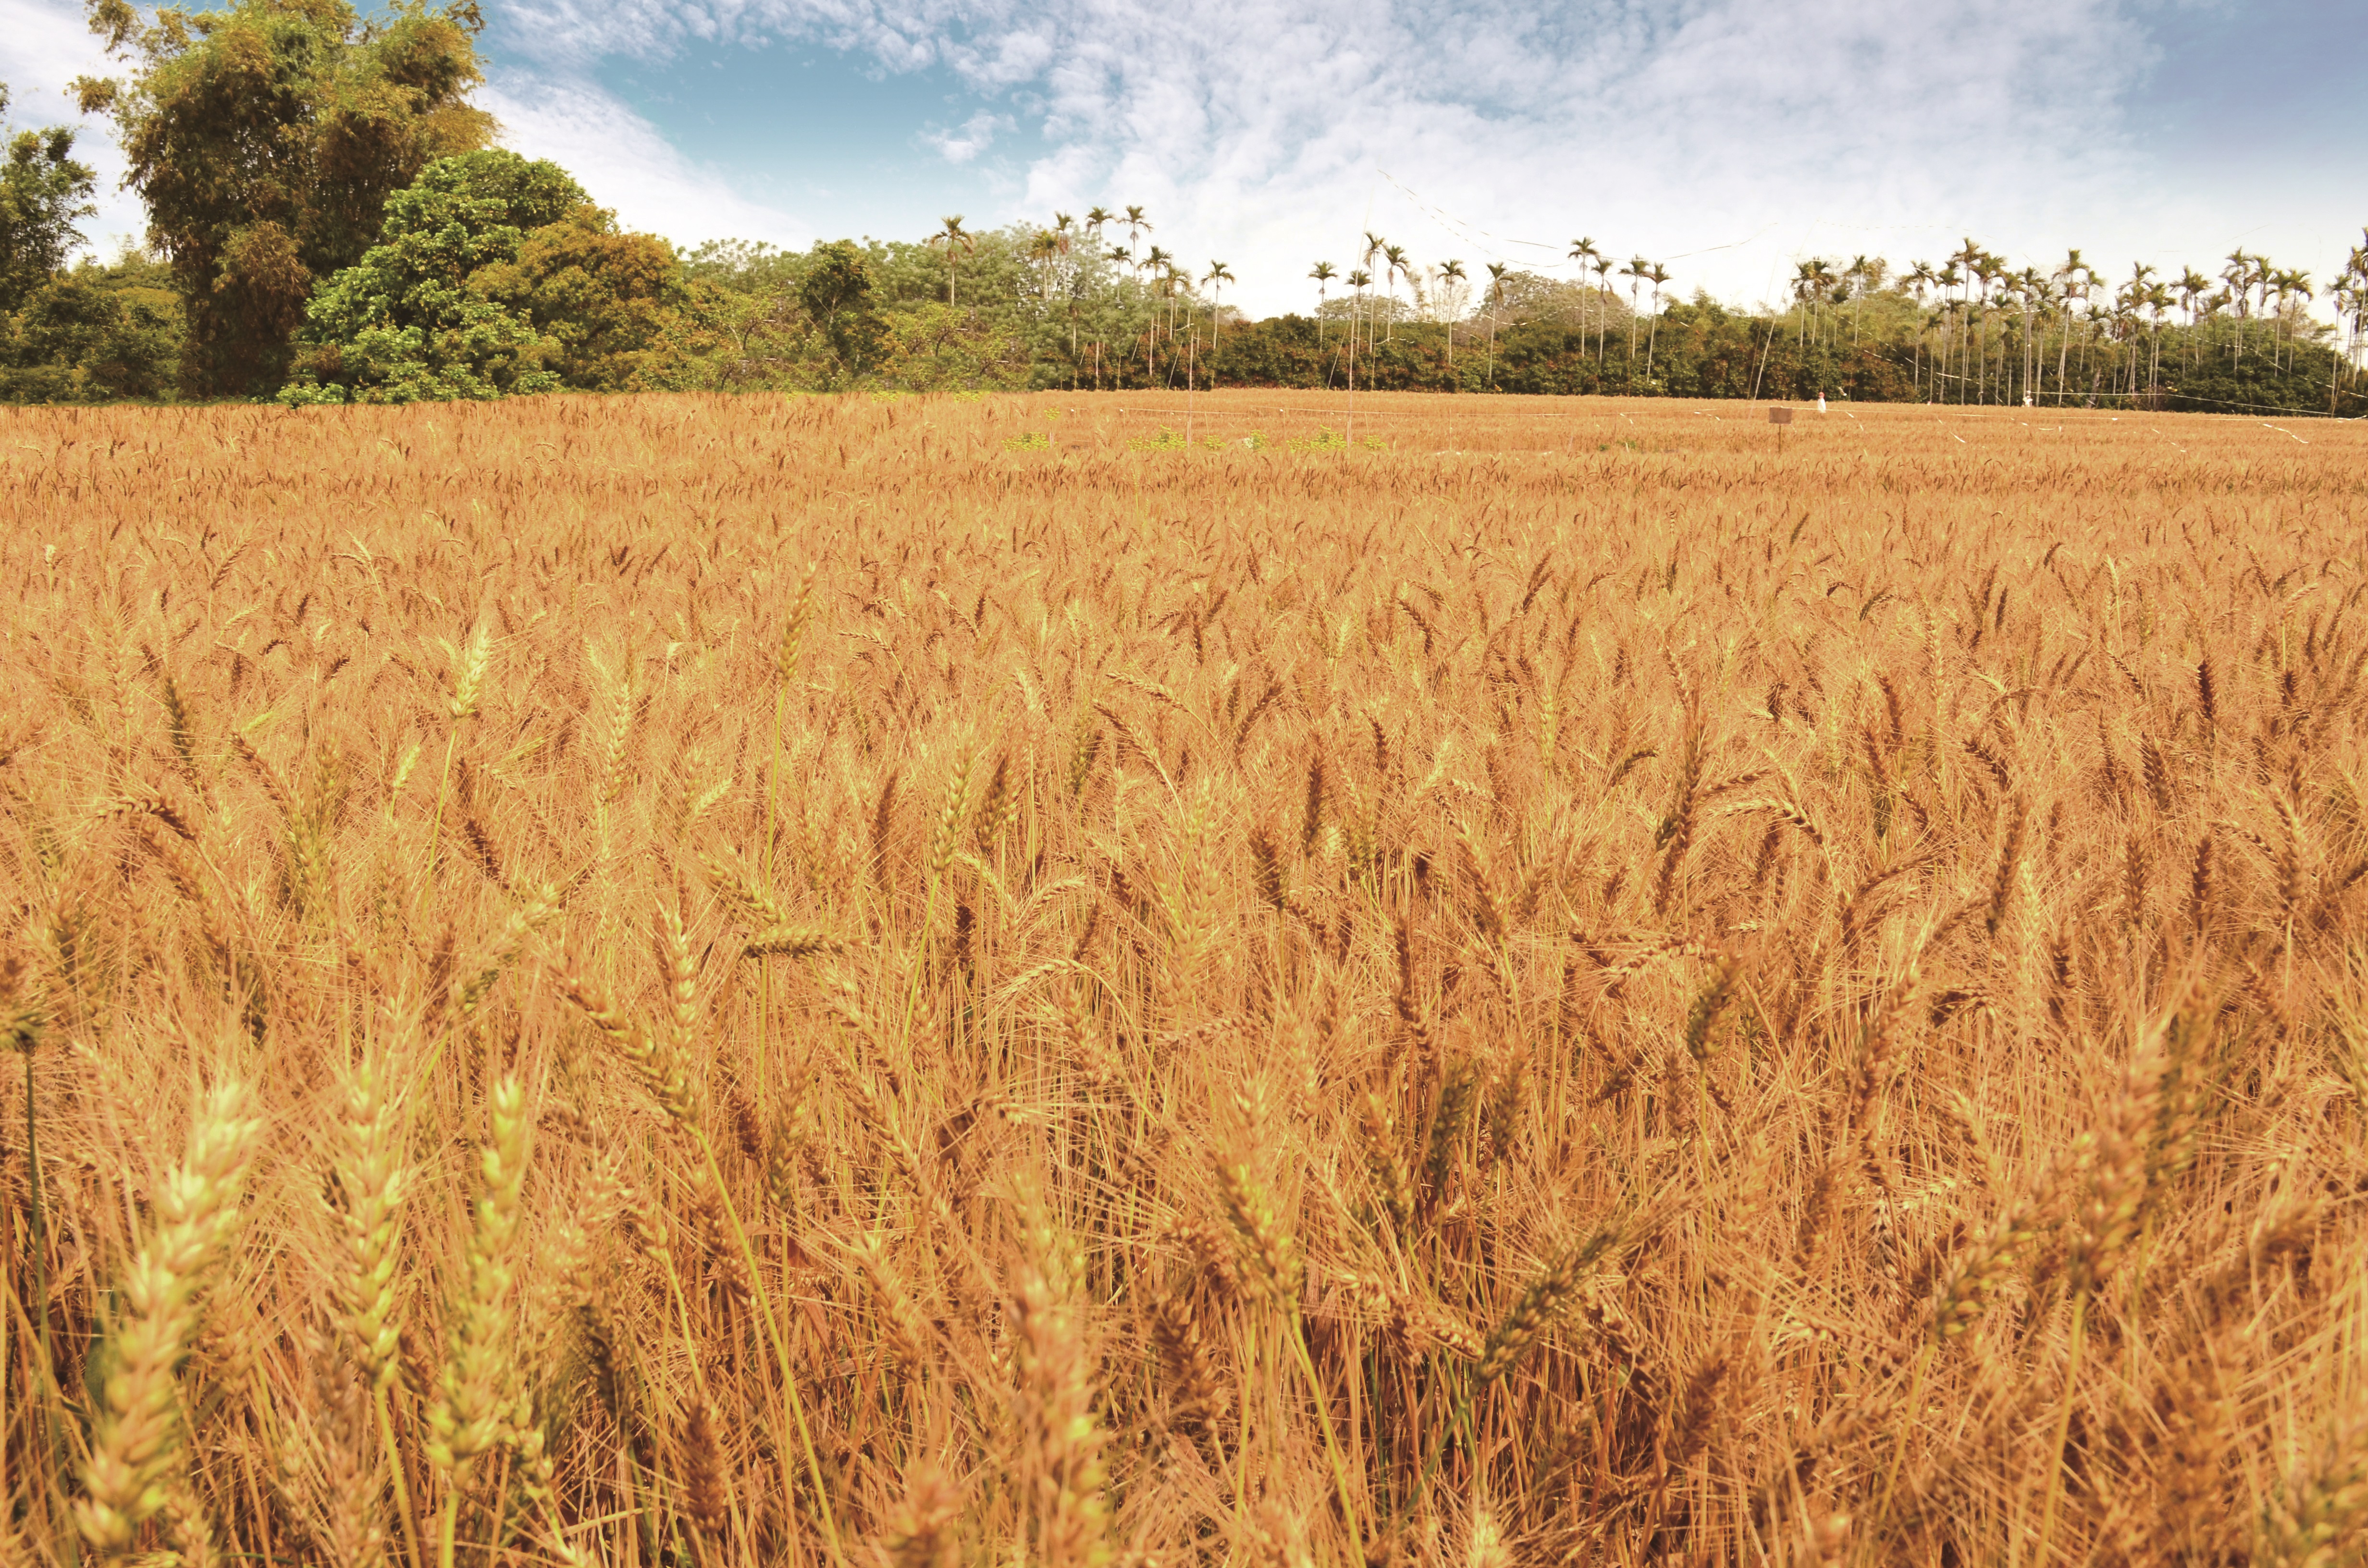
417, 317
91, 335
838, 297
265, 137
495, 275
603, 297
42, 192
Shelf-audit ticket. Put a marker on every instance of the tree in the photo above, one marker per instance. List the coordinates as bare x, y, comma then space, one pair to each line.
42, 192
953, 238
1451, 277
607, 301
1658, 275
1636, 271
1359, 281
1216, 278
1602, 264
1584, 252
264, 139
2075, 278
836, 295
1496, 270
95, 333
1395, 258
1322, 274
440, 308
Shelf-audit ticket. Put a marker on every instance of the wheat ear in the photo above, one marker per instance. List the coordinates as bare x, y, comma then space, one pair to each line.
466, 1418
137, 1437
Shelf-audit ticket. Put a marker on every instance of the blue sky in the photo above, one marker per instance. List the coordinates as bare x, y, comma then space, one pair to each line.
1726, 138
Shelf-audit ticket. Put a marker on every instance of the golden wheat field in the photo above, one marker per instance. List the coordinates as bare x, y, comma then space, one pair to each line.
857, 982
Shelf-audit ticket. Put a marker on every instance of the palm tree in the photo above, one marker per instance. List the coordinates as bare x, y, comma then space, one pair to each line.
2291, 286
1636, 269
1656, 275
1919, 278
1096, 218
1050, 246
1360, 280
1451, 272
1602, 265
1395, 257
1496, 270
1044, 247
1805, 283
2075, 278
2238, 276
1323, 274
1860, 274
954, 239
1157, 263
1583, 251
1216, 278
1135, 224
1374, 246
2191, 286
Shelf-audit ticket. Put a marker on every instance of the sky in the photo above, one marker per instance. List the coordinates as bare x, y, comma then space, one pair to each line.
1725, 139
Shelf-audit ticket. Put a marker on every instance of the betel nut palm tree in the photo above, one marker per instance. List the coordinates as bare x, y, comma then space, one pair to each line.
1496, 270
955, 240
1322, 274
1450, 275
1359, 281
1586, 253
1635, 269
1215, 279
1658, 275
1603, 266
1395, 257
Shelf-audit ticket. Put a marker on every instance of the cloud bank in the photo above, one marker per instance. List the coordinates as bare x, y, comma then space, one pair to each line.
1727, 133
1725, 138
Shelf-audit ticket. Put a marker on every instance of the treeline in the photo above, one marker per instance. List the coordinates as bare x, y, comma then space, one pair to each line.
328, 222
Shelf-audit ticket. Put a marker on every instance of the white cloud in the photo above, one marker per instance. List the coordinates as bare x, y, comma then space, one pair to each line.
45, 44
1726, 137
975, 136
1262, 133
627, 163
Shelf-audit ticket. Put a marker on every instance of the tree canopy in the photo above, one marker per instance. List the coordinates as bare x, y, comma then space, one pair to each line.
493, 275
263, 139
411, 320
43, 191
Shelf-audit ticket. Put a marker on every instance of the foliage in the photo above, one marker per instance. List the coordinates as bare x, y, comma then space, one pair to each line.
836, 295
94, 334
43, 191
438, 308
495, 275
606, 299
265, 137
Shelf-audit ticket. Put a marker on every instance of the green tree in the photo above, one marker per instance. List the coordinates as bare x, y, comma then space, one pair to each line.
837, 296
95, 333
605, 299
264, 139
1586, 253
441, 307
955, 239
42, 191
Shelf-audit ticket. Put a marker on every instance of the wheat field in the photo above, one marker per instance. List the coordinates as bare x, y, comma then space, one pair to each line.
1162, 980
